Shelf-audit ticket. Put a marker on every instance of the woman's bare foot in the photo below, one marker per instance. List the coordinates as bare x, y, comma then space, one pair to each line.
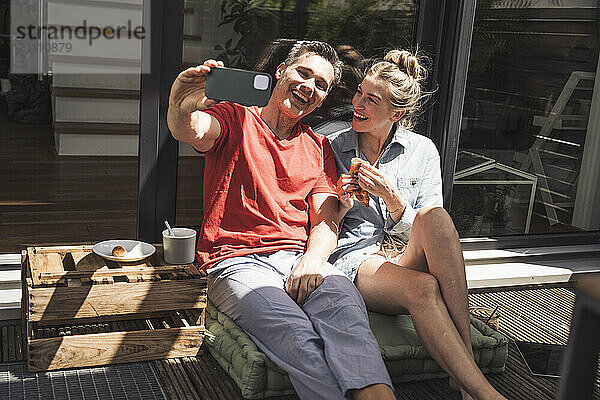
454, 386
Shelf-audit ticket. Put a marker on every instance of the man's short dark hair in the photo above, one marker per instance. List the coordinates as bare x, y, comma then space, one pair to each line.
321, 49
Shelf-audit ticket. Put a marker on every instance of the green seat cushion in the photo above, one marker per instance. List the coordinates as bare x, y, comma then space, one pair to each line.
406, 359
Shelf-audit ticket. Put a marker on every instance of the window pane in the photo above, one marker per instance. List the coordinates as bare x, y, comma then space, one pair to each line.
69, 140
256, 35
529, 153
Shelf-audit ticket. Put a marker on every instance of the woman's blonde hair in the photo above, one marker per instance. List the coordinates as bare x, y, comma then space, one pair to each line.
404, 73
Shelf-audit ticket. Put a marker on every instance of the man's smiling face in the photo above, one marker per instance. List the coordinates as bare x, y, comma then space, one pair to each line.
302, 86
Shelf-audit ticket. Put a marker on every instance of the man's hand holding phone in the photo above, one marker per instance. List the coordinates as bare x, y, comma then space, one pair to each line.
199, 88
188, 91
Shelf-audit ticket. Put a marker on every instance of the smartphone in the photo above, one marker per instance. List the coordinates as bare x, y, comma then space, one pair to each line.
249, 88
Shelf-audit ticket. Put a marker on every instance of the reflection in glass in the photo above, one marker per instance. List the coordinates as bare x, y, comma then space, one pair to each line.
68, 141
504, 195
531, 91
257, 35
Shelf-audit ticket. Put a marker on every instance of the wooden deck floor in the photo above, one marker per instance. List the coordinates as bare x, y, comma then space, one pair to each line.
541, 314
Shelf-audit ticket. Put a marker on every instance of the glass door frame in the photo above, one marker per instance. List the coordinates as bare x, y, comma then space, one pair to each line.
444, 29
448, 42
158, 151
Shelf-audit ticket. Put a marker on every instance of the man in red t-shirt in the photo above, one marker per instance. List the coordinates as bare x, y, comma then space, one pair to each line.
269, 209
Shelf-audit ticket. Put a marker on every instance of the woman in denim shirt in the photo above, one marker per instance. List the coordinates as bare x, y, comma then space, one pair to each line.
424, 276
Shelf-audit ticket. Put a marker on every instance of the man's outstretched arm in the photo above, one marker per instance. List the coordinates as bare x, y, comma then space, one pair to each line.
187, 99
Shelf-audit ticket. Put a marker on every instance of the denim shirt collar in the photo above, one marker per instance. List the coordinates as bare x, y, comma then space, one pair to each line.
351, 141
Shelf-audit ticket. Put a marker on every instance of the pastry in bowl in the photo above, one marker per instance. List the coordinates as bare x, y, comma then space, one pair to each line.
119, 251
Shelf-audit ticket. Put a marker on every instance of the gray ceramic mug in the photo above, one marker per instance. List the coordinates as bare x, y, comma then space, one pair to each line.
181, 248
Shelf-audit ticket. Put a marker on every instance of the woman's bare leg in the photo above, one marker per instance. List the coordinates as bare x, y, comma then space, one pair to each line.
391, 289
434, 248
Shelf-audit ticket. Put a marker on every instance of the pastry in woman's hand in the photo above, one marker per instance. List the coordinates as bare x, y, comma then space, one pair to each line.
361, 194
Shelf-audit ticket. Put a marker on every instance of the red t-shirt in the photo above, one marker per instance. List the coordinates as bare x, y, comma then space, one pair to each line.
256, 185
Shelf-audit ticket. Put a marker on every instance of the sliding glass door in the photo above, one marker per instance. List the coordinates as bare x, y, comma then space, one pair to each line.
69, 122
529, 151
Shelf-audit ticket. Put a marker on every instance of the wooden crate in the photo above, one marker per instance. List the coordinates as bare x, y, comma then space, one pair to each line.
81, 310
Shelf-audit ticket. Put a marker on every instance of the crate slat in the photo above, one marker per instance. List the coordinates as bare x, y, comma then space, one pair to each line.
61, 249
113, 348
44, 262
68, 303
49, 278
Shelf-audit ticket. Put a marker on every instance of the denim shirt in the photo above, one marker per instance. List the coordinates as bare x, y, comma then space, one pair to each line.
411, 163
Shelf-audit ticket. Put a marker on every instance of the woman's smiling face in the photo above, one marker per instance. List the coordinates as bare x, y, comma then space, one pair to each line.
372, 108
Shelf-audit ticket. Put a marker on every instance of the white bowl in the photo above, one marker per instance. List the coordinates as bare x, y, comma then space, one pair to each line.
134, 250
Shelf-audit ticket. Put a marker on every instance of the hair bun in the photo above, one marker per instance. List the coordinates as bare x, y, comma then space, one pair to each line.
407, 62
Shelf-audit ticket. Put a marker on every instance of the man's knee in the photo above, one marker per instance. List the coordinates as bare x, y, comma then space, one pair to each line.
337, 297
336, 290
